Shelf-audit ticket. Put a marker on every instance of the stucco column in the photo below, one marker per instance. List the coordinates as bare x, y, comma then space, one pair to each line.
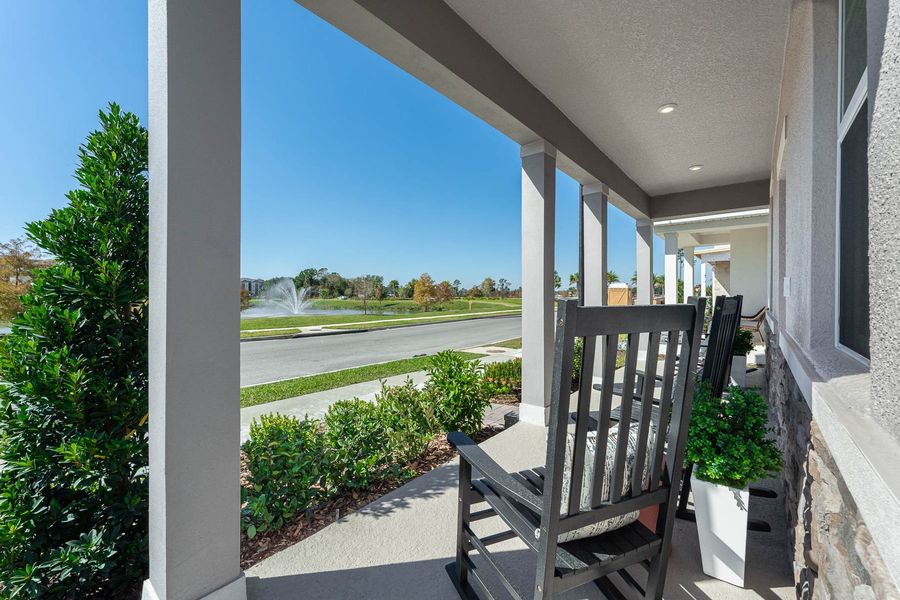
644, 258
195, 215
688, 272
538, 231
671, 266
702, 279
595, 206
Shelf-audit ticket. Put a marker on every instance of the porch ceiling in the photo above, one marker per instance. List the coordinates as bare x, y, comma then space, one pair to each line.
609, 65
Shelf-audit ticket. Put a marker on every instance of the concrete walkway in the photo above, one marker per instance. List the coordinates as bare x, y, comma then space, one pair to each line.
316, 404
396, 547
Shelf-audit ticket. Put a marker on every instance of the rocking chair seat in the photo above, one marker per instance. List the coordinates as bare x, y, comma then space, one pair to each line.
590, 557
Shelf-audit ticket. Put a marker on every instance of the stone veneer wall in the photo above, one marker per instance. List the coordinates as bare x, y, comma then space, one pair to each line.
833, 553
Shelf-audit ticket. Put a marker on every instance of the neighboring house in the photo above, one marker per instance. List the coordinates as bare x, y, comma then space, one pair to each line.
669, 111
253, 286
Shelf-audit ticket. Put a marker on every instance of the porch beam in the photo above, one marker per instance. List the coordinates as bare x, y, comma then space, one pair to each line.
711, 200
194, 362
538, 238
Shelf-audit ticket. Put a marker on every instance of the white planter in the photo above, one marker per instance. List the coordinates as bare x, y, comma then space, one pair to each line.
739, 371
722, 528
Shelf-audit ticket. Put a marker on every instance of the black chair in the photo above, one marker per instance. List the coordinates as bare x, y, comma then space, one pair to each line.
532, 503
715, 361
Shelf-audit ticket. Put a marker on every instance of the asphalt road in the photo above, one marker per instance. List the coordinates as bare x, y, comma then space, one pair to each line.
265, 361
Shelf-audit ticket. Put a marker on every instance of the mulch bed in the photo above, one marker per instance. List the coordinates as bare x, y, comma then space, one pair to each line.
514, 398
265, 544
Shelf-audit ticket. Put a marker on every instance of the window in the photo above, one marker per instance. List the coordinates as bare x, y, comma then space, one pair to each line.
853, 182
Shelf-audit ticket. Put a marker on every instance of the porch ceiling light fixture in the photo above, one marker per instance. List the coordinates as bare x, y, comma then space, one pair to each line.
667, 108
695, 167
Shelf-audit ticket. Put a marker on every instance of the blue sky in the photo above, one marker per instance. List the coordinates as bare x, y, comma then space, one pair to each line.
349, 163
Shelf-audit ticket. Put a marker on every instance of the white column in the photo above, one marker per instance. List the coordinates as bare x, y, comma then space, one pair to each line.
688, 272
195, 215
702, 279
671, 266
538, 231
595, 206
644, 256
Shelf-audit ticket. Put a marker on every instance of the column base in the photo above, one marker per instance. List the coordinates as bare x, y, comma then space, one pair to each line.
236, 590
535, 415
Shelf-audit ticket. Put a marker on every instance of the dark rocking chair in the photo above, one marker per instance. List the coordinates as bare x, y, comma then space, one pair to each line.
579, 513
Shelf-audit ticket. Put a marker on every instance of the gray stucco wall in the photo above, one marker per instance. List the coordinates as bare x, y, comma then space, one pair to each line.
884, 215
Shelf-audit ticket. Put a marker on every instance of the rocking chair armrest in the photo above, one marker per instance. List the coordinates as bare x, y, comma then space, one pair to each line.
495, 475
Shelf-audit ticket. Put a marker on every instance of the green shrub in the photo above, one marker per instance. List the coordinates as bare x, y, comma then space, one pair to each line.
407, 415
577, 354
505, 376
459, 391
286, 459
743, 343
73, 387
357, 444
727, 437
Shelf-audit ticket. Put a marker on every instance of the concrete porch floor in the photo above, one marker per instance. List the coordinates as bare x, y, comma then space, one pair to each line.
397, 547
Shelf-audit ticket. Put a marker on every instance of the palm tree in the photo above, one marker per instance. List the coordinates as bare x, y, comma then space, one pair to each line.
612, 277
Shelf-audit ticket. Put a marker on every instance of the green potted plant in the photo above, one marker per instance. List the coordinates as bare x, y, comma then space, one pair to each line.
743, 345
728, 447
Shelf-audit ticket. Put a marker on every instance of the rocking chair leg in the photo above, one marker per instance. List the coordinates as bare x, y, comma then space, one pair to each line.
459, 571
656, 578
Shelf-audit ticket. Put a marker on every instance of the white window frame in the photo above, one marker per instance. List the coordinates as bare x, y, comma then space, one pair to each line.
845, 118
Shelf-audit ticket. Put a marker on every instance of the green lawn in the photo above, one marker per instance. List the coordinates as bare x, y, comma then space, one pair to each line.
515, 344
269, 392
455, 307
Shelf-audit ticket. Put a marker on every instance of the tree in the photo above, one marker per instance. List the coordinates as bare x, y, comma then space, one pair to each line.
18, 260
365, 288
245, 299
73, 404
475, 292
456, 285
557, 280
409, 289
503, 288
423, 292
333, 285
612, 277
488, 287
573, 284
393, 289
310, 278
443, 292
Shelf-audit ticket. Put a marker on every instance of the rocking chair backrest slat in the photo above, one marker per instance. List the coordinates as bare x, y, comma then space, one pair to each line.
665, 409
582, 423
637, 471
647, 436
606, 395
618, 471
725, 322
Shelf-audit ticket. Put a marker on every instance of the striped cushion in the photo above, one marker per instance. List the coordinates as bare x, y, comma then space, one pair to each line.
587, 481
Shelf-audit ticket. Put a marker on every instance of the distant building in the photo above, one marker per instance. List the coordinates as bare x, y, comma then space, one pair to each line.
253, 286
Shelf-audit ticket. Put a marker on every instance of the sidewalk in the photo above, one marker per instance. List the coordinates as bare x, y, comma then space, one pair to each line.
316, 404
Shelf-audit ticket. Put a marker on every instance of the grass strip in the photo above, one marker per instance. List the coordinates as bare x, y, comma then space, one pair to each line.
270, 392
515, 344
419, 321
316, 320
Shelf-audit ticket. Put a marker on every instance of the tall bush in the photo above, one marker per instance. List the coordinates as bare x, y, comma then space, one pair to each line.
285, 460
73, 386
459, 390
357, 444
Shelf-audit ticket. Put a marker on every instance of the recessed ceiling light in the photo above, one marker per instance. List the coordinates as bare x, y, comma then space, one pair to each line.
695, 167
667, 108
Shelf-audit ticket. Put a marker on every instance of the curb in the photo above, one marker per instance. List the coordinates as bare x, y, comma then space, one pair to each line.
364, 330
